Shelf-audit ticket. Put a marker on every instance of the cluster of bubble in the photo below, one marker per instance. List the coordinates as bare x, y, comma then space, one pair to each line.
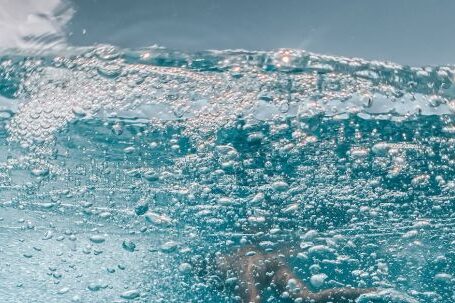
211, 89
298, 181
269, 165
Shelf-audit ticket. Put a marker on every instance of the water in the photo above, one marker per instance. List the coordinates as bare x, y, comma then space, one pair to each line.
119, 166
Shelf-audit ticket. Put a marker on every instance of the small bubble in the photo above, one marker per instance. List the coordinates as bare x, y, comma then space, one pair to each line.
141, 208
151, 175
179, 111
284, 107
318, 280
40, 172
185, 268
129, 246
79, 111
117, 129
63, 290
255, 137
97, 239
130, 294
109, 71
48, 235
169, 247
121, 267
280, 186
265, 97
410, 234
96, 286
157, 218
444, 277
129, 150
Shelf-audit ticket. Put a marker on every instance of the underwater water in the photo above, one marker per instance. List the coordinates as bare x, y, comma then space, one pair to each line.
118, 166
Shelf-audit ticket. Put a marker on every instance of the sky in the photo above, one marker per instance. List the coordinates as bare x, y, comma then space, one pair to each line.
414, 32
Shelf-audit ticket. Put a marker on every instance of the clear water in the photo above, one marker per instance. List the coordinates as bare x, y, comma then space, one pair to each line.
118, 166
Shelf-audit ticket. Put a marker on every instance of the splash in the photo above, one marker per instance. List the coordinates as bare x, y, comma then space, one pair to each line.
205, 91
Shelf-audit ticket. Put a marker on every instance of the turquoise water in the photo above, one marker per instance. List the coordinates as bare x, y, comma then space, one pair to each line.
118, 166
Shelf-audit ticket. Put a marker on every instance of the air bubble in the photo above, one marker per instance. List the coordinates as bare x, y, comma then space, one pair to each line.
157, 218
97, 239
96, 286
318, 280
280, 186
40, 172
185, 268
129, 246
169, 247
130, 294
63, 290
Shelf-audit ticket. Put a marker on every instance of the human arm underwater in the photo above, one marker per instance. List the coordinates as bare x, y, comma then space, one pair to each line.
255, 270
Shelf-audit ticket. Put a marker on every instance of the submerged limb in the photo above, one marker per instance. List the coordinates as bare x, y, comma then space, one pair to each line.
285, 280
248, 289
340, 295
258, 271
251, 272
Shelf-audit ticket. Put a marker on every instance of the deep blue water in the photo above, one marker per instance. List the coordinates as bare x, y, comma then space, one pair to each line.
119, 166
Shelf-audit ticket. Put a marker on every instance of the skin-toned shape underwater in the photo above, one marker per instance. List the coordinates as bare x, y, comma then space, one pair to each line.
250, 270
